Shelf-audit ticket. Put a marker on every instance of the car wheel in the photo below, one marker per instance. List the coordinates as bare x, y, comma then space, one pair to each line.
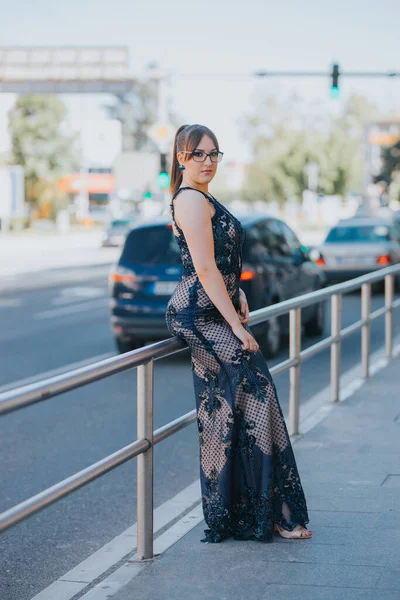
271, 342
126, 344
315, 327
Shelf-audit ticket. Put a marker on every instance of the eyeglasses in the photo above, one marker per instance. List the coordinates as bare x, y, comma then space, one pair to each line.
201, 156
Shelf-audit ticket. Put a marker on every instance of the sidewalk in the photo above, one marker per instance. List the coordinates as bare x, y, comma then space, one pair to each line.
350, 469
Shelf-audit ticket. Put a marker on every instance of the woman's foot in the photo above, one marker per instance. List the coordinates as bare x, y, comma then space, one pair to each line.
299, 532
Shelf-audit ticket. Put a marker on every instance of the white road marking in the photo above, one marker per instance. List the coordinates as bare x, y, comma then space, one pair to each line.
122, 576
10, 302
54, 372
74, 294
78, 307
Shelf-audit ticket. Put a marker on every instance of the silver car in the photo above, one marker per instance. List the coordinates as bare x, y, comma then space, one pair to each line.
115, 233
358, 246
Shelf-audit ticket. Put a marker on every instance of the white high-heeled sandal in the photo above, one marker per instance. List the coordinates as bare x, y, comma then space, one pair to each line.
297, 533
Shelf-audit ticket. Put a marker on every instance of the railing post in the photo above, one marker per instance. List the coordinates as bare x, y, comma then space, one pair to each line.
366, 328
389, 289
336, 347
294, 352
145, 461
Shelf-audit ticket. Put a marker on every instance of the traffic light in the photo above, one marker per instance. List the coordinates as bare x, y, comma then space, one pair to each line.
163, 180
163, 176
335, 82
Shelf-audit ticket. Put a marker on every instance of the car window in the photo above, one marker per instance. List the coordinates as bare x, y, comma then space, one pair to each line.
120, 223
151, 246
395, 233
274, 238
254, 249
360, 233
290, 237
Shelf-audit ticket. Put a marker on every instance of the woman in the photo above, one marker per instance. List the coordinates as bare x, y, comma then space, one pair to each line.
249, 480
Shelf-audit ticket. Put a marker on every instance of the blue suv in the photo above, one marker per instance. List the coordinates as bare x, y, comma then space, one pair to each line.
275, 267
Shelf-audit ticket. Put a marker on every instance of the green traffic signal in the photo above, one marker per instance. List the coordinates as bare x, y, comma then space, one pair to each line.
163, 180
335, 81
335, 92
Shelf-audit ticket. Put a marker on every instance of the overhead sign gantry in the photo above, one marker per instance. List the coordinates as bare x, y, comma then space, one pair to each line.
65, 70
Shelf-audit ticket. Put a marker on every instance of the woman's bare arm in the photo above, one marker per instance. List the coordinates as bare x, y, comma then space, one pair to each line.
193, 216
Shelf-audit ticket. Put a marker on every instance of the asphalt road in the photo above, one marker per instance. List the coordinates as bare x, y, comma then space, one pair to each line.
46, 330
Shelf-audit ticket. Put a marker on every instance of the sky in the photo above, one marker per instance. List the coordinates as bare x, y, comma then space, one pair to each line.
223, 37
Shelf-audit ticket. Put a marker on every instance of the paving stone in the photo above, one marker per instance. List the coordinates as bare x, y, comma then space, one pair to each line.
390, 579
307, 592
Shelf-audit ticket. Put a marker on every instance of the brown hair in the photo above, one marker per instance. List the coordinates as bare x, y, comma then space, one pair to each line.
187, 138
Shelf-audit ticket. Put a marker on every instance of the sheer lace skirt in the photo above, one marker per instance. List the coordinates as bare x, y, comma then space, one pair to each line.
248, 472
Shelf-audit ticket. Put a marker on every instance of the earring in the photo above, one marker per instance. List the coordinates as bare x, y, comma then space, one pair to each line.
181, 168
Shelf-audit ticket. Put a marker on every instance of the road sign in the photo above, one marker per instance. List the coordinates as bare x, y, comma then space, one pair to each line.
162, 134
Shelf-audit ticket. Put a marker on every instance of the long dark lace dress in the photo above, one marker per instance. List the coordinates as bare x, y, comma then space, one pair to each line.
248, 474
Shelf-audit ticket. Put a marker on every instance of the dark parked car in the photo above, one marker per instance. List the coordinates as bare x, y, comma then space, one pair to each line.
275, 267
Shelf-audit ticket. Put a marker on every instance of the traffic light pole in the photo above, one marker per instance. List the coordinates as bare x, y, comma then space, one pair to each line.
334, 75
163, 162
371, 74
325, 74
161, 133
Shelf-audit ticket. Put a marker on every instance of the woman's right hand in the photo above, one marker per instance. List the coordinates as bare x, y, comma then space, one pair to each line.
248, 342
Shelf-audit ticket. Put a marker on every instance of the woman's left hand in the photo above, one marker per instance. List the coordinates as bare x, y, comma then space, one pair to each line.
243, 312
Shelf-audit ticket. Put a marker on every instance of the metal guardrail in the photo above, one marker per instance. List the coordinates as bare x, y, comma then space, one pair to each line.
143, 360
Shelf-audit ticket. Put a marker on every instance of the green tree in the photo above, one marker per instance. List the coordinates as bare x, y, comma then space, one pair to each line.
390, 173
137, 110
40, 145
390, 163
286, 136
343, 149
